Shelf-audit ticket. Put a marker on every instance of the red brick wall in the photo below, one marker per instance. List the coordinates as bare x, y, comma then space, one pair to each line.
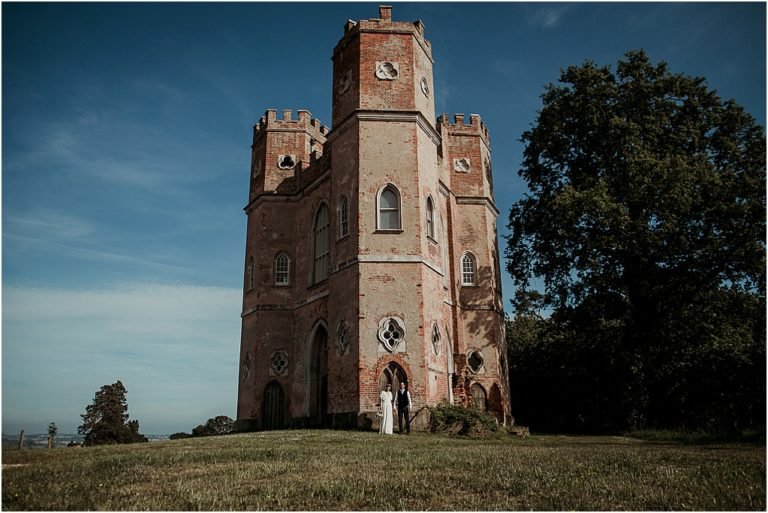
374, 274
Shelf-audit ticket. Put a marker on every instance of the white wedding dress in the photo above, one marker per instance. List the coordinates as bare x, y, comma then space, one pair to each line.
386, 412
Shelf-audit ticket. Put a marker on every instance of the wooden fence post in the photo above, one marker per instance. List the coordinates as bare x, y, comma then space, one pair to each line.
21, 440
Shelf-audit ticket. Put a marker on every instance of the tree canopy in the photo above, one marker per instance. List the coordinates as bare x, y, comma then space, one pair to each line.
219, 425
106, 420
644, 224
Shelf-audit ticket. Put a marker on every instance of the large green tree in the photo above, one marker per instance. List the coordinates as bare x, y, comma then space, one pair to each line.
645, 213
106, 419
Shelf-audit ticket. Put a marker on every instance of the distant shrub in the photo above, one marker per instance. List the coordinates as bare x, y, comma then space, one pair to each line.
216, 426
179, 436
458, 420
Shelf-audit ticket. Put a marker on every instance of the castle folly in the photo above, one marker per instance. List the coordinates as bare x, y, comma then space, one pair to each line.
371, 252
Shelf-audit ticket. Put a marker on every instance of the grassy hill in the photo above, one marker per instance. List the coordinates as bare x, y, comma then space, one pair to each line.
337, 470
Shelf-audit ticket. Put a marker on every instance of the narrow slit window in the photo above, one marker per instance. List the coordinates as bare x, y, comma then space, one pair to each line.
430, 218
321, 245
249, 274
343, 217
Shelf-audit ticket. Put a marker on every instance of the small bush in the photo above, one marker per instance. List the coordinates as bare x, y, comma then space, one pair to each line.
179, 436
216, 426
458, 420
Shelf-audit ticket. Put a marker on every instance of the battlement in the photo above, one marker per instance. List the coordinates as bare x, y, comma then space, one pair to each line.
459, 127
305, 122
384, 23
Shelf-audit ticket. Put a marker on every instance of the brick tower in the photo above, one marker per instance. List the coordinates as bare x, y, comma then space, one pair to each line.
371, 250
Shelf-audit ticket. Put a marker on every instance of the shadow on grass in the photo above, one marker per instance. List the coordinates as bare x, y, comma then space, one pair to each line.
750, 437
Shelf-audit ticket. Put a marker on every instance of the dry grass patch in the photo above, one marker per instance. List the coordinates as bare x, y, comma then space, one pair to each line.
336, 470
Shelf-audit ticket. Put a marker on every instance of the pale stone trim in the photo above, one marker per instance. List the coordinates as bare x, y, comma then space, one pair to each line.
290, 306
278, 197
292, 158
385, 68
444, 190
477, 200
402, 259
382, 115
462, 165
365, 259
384, 325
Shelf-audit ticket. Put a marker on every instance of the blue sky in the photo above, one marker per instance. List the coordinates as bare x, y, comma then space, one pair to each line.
125, 158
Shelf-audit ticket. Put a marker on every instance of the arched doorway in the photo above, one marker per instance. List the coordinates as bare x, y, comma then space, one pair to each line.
273, 407
479, 398
393, 375
317, 382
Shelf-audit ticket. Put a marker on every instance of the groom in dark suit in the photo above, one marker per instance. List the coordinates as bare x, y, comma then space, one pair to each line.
403, 405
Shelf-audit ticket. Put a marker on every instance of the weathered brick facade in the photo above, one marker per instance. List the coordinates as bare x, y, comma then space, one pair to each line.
350, 281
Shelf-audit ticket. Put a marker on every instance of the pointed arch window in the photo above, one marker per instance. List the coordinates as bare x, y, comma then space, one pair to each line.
282, 270
468, 269
321, 246
393, 375
250, 277
389, 209
343, 217
430, 218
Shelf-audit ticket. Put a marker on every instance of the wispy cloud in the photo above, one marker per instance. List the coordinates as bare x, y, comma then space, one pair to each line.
174, 346
130, 138
547, 17
64, 249
46, 223
64, 234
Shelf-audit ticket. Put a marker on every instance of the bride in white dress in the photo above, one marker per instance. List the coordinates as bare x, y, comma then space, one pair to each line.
386, 411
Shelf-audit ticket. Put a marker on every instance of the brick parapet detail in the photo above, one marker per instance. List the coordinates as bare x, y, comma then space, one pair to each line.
476, 127
384, 24
305, 122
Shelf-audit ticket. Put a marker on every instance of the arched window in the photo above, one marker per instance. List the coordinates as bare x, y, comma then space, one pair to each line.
321, 248
249, 274
389, 209
430, 218
282, 267
343, 217
468, 269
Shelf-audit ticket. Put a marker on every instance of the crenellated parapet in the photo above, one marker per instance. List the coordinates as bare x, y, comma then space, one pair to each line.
384, 24
476, 127
304, 122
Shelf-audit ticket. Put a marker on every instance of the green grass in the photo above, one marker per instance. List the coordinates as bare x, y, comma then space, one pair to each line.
337, 470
